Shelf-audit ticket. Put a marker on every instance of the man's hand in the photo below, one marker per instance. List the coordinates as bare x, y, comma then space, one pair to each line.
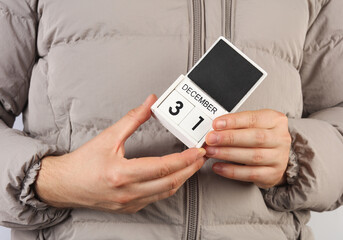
258, 141
98, 176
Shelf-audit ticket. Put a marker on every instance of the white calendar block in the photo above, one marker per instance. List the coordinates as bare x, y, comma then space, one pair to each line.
176, 107
217, 84
196, 124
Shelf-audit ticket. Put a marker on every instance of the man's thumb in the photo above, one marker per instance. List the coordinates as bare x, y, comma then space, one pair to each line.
128, 124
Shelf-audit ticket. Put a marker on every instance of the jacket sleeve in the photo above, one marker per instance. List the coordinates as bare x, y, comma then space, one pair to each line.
19, 154
317, 140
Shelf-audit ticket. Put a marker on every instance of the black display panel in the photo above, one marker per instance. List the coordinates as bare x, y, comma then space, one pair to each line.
225, 75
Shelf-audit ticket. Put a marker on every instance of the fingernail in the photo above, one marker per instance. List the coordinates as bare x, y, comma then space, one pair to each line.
211, 151
217, 168
201, 152
212, 138
146, 102
220, 124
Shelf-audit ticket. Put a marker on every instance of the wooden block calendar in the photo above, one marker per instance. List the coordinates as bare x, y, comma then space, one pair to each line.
218, 84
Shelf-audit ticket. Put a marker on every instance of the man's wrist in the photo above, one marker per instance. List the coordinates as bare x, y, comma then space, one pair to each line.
49, 185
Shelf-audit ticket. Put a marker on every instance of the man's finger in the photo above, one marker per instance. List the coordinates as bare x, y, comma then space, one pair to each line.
257, 174
170, 183
247, 156
128, 124
264, 118
149, 168
252, 137
157, 197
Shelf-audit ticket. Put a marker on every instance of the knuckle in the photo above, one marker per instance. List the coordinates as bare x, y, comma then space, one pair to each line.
174, 183
133, 115
115, 179
230, 138
232, 121
165, 195
258, 157
252, 119
164, 170
260, 137
227, 153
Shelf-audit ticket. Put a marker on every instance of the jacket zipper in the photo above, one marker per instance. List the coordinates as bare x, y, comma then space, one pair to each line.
197, 26
192, 184
227, 14
193, 207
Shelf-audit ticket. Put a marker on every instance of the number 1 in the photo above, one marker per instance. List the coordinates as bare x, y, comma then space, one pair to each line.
198, 123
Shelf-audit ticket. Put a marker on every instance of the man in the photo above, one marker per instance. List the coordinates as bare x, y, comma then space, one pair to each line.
78, 67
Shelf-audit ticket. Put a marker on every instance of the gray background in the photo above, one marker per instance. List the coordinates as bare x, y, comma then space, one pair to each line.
328, 225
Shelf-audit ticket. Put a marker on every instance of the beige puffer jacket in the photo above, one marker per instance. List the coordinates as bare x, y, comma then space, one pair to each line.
74, 67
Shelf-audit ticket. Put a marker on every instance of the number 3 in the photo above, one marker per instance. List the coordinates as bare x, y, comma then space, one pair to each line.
178, 108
